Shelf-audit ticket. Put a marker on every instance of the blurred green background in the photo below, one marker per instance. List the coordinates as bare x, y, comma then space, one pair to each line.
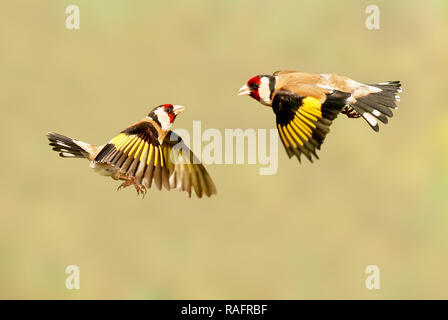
307, 232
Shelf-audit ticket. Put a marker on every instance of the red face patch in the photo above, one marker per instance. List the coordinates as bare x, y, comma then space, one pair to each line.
254, 84
254, 81
169, 110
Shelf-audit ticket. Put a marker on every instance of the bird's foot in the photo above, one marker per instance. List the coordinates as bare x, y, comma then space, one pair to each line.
132, 181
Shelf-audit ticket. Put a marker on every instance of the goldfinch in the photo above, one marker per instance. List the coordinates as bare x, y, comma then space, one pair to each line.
145, 152
305, 105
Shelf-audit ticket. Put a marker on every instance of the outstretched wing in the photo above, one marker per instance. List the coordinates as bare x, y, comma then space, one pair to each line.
303, 122
136, 152
185, 170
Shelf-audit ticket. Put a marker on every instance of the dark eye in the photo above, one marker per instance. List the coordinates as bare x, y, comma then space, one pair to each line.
254, 86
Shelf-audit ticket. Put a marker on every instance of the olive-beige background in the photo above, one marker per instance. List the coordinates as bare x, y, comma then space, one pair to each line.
307, 232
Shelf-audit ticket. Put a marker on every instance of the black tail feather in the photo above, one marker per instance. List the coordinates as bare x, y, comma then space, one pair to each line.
67, 147
378, 105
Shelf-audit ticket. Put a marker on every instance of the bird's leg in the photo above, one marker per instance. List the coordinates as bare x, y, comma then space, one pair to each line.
132, 181
127, 182
140, 188
143, 190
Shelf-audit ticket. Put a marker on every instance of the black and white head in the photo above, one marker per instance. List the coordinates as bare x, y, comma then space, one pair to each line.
260, 88
165, 115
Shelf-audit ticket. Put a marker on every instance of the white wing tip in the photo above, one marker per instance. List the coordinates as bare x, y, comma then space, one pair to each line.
370, 119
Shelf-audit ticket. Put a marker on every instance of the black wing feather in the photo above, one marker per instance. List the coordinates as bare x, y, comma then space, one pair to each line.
303, 122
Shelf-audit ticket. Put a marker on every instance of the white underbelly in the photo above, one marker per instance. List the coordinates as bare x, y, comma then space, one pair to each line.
103, 169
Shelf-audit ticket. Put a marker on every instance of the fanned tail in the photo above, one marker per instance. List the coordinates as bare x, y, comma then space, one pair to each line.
67, 147
378, 105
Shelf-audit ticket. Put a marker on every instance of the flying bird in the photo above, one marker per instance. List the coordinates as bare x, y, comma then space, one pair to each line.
305, 105
144, 153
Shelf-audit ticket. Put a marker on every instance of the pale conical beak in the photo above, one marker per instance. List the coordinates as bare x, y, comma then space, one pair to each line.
178, 109
244, 91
